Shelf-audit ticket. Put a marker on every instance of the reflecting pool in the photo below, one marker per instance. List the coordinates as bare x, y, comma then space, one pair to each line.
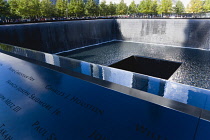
194, 70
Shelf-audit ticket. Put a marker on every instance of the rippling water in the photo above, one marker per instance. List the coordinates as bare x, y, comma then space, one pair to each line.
194, 66
194, 71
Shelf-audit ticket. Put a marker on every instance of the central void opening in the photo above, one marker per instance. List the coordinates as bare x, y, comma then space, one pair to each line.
148, 66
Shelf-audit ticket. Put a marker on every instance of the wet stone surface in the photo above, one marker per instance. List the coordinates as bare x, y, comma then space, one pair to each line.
193, 71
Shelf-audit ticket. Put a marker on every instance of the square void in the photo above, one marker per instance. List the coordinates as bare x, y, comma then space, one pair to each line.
148, 66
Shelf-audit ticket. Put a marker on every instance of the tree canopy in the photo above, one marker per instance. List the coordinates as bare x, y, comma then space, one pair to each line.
195, 6
112, 9
4, 8
47, 9
61, 8
179, 7
122, 8
78, 8
14, 6
165, 7
145, 6
206, 6
103, 8
91, 8
148, 6
132, 8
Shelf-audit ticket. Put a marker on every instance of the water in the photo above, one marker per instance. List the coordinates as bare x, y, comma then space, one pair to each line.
54, 37
166, 88
194, 70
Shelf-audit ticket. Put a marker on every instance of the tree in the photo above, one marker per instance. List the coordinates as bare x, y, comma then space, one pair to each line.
187, 9
146, 6
61, 8
47, 8
103, 8
141, 6
112, 9
23, 8
76, 8
206, 5
179, 7
91, 8
71, 7
154, 7
165, 7
122, 8
4, 9
34, 8
132, 9
14, 8
195, 6
29, 9
79, 8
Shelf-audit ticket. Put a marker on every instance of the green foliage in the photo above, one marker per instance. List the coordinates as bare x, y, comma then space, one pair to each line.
154, 7
14, 8
141, 7
103, 9
146, 6
195, 6
122, 8
179, 7
34, 8
165, 7
112, 9
4, 9
47, 8
23, 8
79, 8
71, 7
28, 9
206, 6
76, 8
132, 9
91, 8
61, 8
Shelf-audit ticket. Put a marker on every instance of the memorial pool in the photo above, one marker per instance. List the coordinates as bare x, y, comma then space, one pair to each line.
106, 102
195, 63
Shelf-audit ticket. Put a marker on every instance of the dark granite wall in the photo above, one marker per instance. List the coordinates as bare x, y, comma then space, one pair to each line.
58, 36
181, 32
55, 37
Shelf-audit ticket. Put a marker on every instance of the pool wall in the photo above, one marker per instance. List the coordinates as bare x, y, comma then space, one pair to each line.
58, 36
179, 32
160, 118
53, 37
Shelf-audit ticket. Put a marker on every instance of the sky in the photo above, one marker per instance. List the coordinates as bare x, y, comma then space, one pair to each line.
185, 2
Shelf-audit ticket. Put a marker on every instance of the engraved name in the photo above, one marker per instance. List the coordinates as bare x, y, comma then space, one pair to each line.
75, 100
85, 105
21, 74
56, 91
10, 103
33, 97
97, 136
4, 133
150, 134
43, 131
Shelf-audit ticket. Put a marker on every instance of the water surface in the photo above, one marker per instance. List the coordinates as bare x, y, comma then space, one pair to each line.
194, 71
